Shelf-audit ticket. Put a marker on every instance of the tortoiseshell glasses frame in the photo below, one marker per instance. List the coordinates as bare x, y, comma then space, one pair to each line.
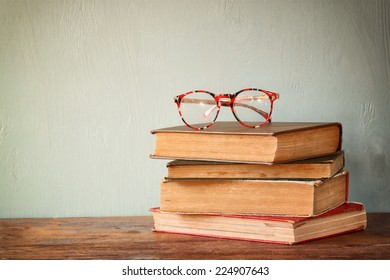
251, 107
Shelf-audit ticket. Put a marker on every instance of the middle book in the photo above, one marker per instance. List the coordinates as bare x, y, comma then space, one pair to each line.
295, 197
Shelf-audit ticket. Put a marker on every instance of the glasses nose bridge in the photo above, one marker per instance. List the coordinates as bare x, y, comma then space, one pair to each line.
224, 99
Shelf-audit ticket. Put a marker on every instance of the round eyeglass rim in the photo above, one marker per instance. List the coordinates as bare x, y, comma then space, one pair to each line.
271, 95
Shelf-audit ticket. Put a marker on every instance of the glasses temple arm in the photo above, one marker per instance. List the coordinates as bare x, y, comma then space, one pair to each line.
265, 115
197, 101
201, 101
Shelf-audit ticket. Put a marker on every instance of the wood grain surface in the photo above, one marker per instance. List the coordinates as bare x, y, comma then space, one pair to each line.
132, 238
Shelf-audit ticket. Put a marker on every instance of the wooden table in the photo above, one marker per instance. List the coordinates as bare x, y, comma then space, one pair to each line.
132, 238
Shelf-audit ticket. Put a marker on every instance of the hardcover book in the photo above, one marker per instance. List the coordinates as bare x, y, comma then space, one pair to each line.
346, 218
229, 141
317, 168
260, 197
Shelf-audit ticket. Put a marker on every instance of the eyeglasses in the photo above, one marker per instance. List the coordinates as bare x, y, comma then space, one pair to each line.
251, 107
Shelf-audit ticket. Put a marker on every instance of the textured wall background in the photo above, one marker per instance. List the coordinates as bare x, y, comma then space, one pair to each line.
83, 82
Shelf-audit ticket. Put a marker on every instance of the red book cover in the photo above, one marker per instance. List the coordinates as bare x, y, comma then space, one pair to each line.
349, 217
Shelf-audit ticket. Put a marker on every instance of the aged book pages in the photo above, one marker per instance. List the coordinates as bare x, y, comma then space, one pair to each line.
274, 229
228, 141
317, 168
262, 197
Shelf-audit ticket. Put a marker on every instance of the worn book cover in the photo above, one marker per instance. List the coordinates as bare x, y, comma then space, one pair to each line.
260, 197
315, 168
275, 142
348, 217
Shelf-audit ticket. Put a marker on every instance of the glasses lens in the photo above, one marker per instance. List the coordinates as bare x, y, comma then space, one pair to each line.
252, 107
198, 109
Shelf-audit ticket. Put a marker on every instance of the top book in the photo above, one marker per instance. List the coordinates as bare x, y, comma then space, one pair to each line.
276, 142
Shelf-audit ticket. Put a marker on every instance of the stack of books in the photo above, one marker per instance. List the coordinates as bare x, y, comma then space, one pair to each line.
284, 182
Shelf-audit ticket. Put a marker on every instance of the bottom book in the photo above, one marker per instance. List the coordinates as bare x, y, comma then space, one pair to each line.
349, 217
